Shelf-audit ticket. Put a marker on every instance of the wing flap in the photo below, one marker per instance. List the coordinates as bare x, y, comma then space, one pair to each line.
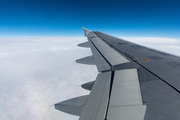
104, 55
127, 113
110, 54
125, 89
96, 104
101, 63
126, 100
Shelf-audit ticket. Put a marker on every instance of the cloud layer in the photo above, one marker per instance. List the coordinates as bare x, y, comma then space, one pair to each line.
39, 72
168, 45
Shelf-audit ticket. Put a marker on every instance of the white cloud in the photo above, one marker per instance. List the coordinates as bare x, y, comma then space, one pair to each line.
168, 45
153, 40
61, 48
39, 72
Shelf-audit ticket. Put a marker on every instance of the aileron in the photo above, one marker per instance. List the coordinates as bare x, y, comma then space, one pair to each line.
96, 104
110, 54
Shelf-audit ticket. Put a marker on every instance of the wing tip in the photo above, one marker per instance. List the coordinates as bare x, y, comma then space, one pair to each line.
86, 31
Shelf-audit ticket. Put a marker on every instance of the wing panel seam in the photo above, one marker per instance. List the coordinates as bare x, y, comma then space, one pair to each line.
141, 65
110, 90
101, 54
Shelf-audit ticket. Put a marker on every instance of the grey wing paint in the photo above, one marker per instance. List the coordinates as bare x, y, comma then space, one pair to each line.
133, 83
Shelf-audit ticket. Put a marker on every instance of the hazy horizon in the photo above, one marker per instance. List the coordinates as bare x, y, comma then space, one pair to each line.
39, 72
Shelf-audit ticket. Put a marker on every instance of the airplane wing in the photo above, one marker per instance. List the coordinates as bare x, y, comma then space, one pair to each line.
133, 83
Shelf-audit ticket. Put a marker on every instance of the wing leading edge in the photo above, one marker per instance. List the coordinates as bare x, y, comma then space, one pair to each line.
132, 82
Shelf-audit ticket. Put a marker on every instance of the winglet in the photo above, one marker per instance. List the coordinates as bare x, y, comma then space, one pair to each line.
86, 31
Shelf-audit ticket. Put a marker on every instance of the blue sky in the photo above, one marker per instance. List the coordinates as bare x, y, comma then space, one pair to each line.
36, 69
127, 18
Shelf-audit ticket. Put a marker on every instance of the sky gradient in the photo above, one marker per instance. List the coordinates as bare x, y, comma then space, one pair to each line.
126, 18
38, 47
